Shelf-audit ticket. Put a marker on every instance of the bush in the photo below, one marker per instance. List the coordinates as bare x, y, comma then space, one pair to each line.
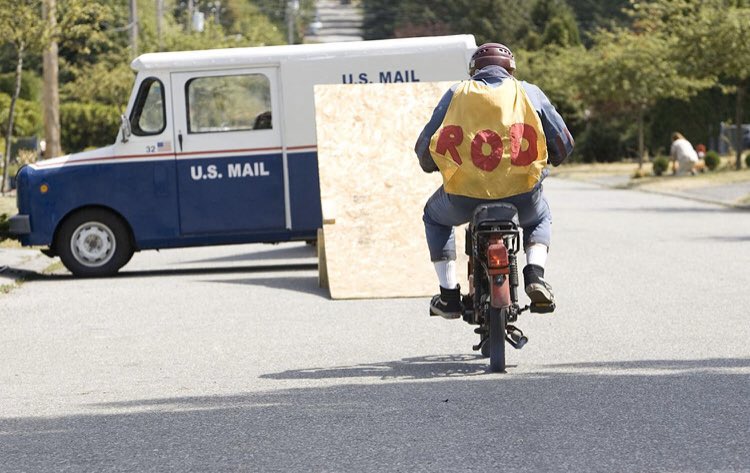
601, 142
31, 85
27, 119
712, 160
86, 125
660, 165
747, 160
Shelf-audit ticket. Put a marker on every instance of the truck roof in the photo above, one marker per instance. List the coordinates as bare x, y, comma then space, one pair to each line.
238, 57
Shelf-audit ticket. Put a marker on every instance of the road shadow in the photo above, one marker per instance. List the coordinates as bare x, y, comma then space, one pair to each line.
29, 275
603, 417
445, 366
665, 366
726, 238
285, 252
304, 284
12, 274
427, 367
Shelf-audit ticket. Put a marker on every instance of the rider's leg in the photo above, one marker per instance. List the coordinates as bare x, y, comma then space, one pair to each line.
441, 213
536, 220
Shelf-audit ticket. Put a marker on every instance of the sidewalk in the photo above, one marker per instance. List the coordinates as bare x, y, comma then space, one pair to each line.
721, 188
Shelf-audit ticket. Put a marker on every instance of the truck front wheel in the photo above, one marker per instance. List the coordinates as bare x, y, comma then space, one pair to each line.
94, 243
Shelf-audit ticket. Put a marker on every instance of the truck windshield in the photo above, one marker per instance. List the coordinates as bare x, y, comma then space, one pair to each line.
148, 113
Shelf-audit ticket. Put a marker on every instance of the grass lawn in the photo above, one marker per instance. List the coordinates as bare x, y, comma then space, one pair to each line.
725, 174
8, 205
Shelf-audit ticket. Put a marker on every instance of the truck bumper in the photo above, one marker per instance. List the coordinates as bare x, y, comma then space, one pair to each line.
20, 225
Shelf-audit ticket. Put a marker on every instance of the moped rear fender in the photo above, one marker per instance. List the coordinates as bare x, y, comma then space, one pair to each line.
500, 292
497, 258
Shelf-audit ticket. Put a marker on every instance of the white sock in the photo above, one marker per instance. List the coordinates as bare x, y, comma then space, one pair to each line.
536, 253
446, 273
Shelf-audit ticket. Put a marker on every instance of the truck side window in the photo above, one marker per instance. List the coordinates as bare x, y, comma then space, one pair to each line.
228, 103
148, 113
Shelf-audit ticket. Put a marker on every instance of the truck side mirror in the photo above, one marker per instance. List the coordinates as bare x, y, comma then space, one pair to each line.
125, 127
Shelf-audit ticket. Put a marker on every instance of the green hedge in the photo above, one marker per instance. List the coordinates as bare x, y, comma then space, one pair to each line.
712, 160
27, 118
31, 85
86, 125
660, 165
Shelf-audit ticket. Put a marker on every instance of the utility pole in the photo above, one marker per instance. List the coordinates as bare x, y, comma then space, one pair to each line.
291, 11
159, 19
133, 28
190, 9
50, 91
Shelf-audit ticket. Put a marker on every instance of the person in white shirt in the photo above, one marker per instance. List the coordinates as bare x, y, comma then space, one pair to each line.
684, 158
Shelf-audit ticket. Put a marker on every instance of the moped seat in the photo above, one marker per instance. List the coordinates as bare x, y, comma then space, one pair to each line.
495, 212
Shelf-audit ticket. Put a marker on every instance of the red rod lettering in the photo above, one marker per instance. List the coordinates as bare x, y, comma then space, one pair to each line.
486, 162
450, 138
518, 133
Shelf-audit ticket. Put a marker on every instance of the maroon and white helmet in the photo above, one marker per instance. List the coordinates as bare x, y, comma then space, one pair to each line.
490, 54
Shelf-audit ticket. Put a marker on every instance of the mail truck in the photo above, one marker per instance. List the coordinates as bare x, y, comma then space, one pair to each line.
216, 147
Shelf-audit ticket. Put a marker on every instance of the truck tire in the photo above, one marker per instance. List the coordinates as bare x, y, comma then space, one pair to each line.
94, 243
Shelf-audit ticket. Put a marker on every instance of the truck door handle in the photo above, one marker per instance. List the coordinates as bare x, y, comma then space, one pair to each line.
179, 138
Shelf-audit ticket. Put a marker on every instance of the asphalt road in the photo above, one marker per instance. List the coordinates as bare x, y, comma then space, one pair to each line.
232, 359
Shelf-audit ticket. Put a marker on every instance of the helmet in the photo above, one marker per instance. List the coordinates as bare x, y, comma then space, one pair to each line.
490, 54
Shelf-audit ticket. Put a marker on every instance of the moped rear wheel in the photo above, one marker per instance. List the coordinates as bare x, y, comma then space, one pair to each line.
496, 340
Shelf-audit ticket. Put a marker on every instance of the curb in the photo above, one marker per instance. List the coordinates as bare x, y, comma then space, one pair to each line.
703, 200
681, 195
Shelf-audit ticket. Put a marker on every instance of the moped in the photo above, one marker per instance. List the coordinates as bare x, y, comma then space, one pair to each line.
493, 239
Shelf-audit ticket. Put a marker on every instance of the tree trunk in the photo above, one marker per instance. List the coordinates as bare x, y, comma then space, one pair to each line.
738, 122
51, 103
9, 132
641, 140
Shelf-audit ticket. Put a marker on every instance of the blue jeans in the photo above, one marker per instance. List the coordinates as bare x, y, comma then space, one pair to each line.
443, 211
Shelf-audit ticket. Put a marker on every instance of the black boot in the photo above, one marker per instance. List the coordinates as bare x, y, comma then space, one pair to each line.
447, 304
536, 287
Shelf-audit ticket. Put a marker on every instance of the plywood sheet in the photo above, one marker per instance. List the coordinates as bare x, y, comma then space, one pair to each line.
370, 175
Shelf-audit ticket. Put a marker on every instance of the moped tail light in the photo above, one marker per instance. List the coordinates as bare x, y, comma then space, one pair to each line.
497, 255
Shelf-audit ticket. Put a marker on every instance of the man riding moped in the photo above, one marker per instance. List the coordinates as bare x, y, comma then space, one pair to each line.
491, 138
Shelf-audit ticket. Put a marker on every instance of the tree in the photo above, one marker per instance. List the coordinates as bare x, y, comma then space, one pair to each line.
51, 101
21, 28
488, 20
627, 72
555, 22
722, 45
713, 39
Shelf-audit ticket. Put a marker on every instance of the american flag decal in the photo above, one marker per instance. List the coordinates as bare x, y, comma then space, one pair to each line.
164, 146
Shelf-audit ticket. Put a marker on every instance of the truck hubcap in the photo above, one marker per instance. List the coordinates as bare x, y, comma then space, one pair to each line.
93, 244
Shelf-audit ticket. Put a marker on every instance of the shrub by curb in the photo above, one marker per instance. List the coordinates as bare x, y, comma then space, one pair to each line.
712, 160
660, 165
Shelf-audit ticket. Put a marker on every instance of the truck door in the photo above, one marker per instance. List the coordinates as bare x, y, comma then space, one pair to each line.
230, 160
